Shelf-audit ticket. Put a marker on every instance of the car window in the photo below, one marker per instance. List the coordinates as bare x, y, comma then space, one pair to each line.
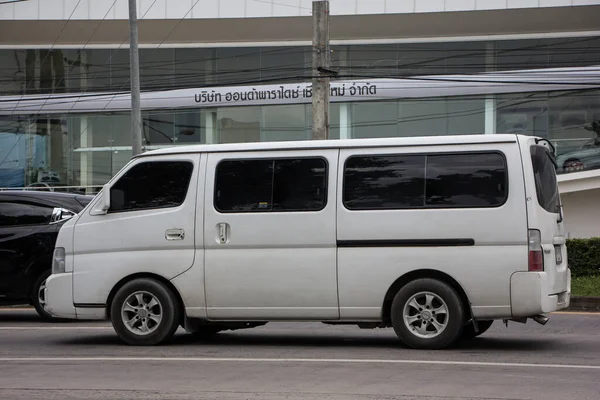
546, 184
22, 213
150, 185
461, 180
384, 182
273, 185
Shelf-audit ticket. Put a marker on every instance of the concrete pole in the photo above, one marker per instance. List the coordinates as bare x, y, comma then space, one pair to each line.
320, 70
134, 59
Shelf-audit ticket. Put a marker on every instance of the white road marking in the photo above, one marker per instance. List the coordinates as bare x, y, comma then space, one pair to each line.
295, 360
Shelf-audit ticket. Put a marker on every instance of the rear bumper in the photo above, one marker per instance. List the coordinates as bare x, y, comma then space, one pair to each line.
529, 294
59, 296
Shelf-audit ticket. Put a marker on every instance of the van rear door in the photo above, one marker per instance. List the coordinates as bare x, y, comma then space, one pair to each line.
544, 210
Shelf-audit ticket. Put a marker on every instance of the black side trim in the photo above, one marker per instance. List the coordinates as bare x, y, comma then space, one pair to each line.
89, 305
407, 243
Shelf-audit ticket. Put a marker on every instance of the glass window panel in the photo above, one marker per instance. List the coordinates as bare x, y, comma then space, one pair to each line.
277, 63
546, 184
238, 65
374, 119
189, 128
158, 128
148, 185
18, 213
244, 185
156, 68
384, 182
194, 67
300, 185
239, 124
423, 117
466, 180
284, 123
465, 116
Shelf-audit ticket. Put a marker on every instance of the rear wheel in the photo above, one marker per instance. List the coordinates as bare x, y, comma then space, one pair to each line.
469, 329
145, 312
573, 165
38, 296
427, 314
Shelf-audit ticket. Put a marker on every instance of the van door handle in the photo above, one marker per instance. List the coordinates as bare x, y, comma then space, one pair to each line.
175, 234
223, 232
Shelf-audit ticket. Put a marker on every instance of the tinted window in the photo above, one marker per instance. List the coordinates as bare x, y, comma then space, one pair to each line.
152, 185
12, 214
465, 180
271, 185
546, 184
425, 181
380, 182
245, 185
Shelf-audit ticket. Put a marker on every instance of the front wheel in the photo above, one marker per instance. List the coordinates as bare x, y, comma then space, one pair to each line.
38, 296
427, 314
145, 312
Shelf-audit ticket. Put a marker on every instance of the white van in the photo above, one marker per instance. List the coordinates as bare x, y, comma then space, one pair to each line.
433, 236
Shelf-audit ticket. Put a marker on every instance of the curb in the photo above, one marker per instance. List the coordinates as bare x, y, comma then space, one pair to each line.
581, 303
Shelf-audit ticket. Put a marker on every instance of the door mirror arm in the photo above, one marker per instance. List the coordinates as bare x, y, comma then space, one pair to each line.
102, 207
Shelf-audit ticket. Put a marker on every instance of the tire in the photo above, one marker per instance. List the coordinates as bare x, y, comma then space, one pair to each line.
573, 164
424, 301
152, 310
38, 297
469, 329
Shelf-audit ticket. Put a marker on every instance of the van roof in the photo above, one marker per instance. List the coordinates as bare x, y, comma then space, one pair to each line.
337, 143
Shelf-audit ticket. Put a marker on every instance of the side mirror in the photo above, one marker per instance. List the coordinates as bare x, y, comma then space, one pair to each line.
106, 198
104, 204
60, 215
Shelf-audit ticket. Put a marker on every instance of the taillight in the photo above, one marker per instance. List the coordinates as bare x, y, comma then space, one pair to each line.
536, 254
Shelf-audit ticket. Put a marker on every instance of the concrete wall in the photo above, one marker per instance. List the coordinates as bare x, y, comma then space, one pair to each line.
176, 9
582, 213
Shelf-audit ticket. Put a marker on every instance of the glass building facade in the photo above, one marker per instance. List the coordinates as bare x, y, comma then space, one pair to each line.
87, 149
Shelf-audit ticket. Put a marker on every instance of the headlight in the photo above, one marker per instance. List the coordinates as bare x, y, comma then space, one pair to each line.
58, 260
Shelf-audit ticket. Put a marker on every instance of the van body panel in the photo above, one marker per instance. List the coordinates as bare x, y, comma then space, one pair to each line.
251, 260
547, 222
111, 247
273, 265
499, 236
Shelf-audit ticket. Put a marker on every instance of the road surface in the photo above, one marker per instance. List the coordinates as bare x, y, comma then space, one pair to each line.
295, 361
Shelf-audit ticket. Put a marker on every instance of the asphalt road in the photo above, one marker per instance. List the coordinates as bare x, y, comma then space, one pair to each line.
298, 361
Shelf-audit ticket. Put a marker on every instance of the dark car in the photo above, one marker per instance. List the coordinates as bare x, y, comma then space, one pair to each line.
29, 225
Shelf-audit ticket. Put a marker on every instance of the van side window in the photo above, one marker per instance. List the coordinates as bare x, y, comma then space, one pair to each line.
546, 184
280, 185
151, 185
467, 180
384, 182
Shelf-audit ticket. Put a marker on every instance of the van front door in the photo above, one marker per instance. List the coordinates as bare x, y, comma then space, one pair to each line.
270, 236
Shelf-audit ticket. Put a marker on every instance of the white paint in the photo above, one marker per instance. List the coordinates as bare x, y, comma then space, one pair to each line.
582, 214
299, 360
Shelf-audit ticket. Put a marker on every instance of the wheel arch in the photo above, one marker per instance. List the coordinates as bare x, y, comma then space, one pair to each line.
420, 274
148, 275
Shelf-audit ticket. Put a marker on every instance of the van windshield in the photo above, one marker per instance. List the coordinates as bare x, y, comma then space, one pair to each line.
546, 184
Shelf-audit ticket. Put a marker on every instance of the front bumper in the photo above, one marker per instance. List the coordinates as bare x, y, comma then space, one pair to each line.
59, 296
529, 294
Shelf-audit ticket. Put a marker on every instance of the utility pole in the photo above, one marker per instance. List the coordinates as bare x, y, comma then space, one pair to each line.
320, 70
134, 60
